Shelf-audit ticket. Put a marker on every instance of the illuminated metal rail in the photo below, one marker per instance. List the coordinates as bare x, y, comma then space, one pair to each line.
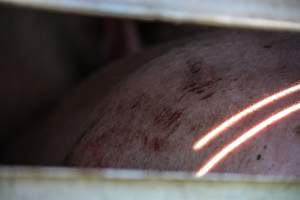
263, 14
75, 184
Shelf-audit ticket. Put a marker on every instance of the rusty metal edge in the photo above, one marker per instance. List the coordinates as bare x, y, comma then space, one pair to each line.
283, 16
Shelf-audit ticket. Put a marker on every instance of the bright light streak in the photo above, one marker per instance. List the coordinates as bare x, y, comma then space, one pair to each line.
246, 136
234, 119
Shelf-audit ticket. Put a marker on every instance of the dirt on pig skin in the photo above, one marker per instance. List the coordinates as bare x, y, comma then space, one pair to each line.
150, 115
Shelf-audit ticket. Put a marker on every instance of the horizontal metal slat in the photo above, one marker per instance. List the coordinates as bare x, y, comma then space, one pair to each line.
76, 184
262, 14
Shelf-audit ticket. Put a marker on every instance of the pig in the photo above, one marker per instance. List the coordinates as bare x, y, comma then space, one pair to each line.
148, 110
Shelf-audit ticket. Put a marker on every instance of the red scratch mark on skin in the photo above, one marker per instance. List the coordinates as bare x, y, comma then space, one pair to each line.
245, 137
236, 118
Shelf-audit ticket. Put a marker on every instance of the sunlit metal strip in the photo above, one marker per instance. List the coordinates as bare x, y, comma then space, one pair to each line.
263, 14
61, 184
